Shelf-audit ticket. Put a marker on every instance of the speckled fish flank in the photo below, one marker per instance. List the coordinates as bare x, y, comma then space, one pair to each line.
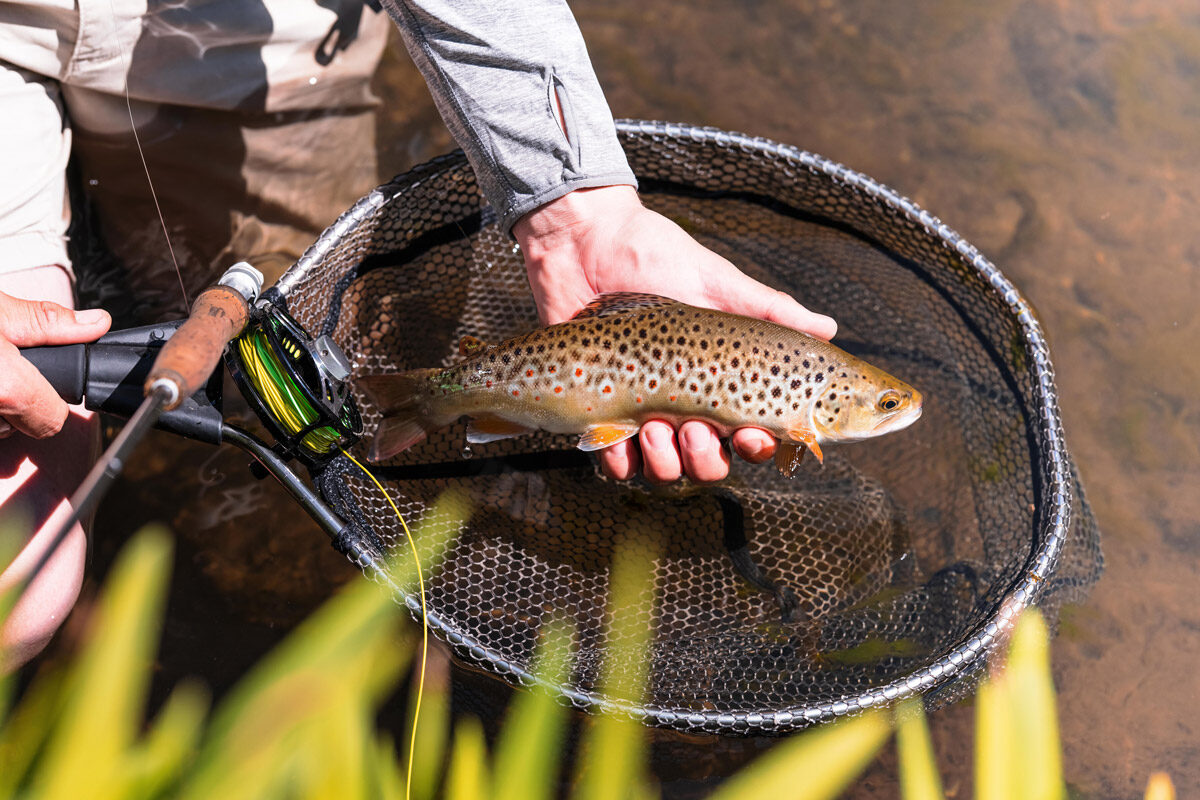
629, 358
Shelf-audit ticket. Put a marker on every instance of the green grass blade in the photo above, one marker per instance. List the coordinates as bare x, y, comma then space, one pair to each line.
528, 752
1036, 747
107, 687
1160, 787
433, 724
467, 777
919, 779
158, 760
27, 728
613, 748
814, 765
995, 733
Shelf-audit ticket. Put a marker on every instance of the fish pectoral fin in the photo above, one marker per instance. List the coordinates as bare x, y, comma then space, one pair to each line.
487, 428
809, 440
788, 456
601, 436
469, 346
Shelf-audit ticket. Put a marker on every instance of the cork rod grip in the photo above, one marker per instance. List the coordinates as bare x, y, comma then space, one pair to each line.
189, 357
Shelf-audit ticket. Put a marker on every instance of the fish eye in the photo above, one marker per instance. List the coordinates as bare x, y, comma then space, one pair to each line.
889, 401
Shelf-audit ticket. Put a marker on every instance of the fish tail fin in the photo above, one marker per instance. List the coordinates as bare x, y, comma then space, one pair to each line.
405, 422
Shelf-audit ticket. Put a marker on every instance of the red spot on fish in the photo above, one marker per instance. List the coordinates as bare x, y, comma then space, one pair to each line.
589, 408
713, 370
537, 398
558, 390
489, 384
608, 390
639, 398
629, 367
578, 372
673, 398
516, 393
528, 373
653, 384
714, 404
679, 366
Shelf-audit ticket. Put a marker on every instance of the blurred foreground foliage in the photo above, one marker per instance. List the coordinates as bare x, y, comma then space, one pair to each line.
301, 724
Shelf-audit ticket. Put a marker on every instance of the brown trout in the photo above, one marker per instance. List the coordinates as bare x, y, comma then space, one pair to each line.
629, 358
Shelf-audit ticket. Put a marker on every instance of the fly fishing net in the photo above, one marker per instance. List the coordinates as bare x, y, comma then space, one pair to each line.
905, 557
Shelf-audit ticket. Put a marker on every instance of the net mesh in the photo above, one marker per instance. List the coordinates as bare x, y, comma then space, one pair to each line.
908, 554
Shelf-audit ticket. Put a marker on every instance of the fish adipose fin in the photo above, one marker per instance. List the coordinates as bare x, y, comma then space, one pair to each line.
469, 346
620, 302
486, 428
601, 436
396, 396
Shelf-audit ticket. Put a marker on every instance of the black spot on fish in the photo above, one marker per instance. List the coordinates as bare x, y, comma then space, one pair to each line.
819, 378
506, 358
762, 412
623, 349
656, 353
737, 345
681, 341
787, 359
796, 384
704, 344
776, 392
735, 362
720, 342
587, 341
695, 329
774, 369
808, 392
806, 364
733, 387
817, 404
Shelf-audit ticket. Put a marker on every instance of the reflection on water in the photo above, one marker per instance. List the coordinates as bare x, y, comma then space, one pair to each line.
1059, 137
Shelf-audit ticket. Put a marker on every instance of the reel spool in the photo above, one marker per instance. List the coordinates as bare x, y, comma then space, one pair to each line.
296, 384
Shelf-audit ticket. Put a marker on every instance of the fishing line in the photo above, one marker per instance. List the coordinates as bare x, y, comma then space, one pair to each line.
412, 744
142, 155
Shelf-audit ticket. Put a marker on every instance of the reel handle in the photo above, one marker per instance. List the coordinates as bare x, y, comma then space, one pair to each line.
189, 357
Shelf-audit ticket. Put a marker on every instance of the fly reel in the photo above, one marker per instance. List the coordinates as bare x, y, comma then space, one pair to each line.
296, 384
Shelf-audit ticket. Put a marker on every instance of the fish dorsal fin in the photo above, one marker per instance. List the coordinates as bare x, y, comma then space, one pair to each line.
469, 346
621, 302
606, 435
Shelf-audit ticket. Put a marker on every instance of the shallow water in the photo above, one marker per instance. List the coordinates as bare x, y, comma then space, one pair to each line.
1060, 138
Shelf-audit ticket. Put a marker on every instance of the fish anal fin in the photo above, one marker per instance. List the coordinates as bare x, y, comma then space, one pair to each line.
601, 436
809, 440
487, 428
469, 346
620, 302
788, 456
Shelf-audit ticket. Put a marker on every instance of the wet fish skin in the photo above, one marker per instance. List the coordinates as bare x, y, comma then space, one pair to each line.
627, 359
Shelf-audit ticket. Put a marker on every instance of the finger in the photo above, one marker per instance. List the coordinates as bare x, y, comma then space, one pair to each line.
704, 460
29, 323
753, 444
660, 456
27, 401
621, 461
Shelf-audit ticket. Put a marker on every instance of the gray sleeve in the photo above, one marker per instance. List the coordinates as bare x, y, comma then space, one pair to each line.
493, 67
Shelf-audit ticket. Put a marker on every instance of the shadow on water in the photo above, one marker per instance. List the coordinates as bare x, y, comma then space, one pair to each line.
1057, 137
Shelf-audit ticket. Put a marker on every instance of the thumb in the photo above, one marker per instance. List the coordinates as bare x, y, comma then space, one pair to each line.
738, 293
28, 323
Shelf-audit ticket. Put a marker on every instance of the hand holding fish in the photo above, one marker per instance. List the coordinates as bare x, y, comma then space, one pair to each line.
596, 241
